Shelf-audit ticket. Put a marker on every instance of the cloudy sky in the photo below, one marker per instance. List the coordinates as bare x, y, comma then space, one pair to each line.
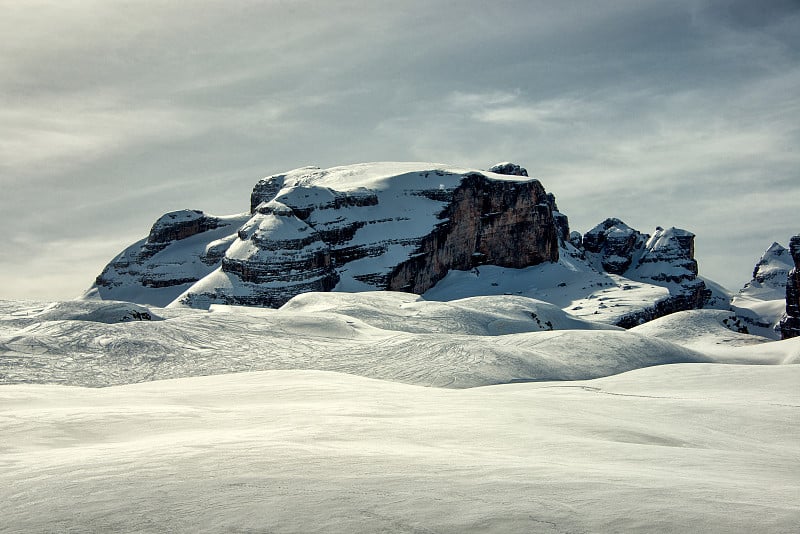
671, 113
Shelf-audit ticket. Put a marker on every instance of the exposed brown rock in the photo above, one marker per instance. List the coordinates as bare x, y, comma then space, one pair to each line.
509, 224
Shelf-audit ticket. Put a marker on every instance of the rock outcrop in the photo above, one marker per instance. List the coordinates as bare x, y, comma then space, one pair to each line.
790, 324
508, 168
614, 244
361, 227
666, 259
509, 224
182, 247
274, 257
772, 270
761, 303
406, 227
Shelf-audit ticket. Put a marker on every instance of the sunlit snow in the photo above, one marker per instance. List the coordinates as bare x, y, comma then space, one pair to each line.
316, 419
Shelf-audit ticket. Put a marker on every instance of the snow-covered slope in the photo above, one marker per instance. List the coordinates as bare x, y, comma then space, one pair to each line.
682, 448
570, 284
762, 301
464, 348
182, 247
705, 330
406, 312
414, 227
701, 445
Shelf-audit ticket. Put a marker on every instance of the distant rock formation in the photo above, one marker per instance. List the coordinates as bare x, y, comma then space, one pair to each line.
666, 258
614, 244
401, 227
182, 247
507, 168
790, 324
761, 303
772, 269
360, 227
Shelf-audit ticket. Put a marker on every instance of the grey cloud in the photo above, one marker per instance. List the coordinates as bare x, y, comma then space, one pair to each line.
666, 113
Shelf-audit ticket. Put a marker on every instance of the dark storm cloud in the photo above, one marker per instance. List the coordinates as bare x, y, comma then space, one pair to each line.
661, 113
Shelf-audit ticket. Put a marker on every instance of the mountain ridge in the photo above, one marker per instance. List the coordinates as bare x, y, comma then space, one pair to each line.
406, 227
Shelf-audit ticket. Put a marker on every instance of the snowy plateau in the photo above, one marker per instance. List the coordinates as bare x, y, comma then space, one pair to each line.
245, 374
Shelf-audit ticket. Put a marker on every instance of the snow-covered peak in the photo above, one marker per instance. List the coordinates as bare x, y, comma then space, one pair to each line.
611, 225
762, 301
673, 241
508, 168
378, 176
404, 227
769, 274
612, 244
772, 268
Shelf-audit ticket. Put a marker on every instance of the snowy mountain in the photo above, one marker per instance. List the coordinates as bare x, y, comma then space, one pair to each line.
770, 274
183, 247
418, 227
761, 303
119, 416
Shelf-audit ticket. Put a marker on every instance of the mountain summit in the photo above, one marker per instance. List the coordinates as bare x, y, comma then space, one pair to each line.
404, 227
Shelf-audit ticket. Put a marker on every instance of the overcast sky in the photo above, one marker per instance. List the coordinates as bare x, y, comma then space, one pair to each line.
671, 113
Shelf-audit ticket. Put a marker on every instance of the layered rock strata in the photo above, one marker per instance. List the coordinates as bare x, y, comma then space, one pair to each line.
666, 259
182, 247
361, 227
509, 224
400, 226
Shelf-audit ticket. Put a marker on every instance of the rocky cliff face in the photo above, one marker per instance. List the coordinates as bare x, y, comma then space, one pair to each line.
761, 303
509, 224
790, 324
360, 227
404, 227
182, 247
665, 259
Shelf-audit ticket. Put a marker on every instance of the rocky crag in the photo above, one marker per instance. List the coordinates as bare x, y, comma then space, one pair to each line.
761, 303
790, 324
360, 227
182, 247
771, 272
665, 259
388, 226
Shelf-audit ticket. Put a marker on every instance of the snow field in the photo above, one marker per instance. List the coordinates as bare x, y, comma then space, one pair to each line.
393, 336
677, 448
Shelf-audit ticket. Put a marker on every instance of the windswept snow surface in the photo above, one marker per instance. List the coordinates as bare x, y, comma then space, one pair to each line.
702, 330
393, 336
483, 316
569, 284
294, 447
680, 448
